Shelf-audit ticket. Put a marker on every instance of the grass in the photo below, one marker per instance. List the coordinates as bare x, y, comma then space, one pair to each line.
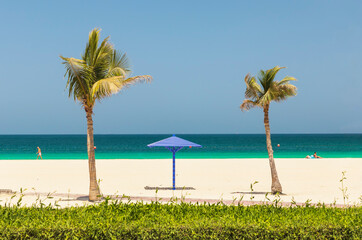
118, 220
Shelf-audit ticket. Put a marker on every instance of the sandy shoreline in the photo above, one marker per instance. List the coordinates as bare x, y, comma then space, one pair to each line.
218, 179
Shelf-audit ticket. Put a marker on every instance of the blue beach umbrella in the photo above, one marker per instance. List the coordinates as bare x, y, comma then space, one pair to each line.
174, 144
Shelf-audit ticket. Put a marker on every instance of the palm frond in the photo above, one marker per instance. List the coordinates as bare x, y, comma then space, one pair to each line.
102, 53
253, 89
266, 98
79, 75
91, 46
106, 87
98, 57
285, 91
273, 72
117, 71
261, 78
137, 79
120, 60
269, 77
287, 79
102, 59
247, 105
119, 65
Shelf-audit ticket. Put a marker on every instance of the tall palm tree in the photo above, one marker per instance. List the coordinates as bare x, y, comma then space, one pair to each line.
101, 72
261, 95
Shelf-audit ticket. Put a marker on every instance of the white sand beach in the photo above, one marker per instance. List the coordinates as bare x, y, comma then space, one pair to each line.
218, 179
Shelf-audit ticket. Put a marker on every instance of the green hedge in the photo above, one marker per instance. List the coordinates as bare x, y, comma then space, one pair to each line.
180, 221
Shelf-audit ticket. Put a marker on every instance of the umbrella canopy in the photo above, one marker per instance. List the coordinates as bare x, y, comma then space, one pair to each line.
174, 144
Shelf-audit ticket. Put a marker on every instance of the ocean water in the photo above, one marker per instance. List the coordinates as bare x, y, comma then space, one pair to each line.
214, 146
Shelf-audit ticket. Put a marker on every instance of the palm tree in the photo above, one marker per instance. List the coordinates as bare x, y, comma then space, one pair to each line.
261, 95
101, 72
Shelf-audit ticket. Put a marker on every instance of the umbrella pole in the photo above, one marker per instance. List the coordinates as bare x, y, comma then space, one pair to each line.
173, 170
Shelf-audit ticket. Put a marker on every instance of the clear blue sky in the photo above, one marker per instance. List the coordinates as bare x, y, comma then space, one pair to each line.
198, 53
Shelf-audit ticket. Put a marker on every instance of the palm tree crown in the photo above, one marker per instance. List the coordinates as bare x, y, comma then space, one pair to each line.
101, 72
260, 95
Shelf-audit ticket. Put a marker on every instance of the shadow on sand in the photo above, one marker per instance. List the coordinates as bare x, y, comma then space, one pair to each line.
169, 188
82, 198
257, 193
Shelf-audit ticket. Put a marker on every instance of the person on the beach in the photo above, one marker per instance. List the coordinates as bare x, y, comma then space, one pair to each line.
313, 156
316, 156
39, 154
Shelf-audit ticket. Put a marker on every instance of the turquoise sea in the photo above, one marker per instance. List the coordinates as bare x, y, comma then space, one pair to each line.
214, 146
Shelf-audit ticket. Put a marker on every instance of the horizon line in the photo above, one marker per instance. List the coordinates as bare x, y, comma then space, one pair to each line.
12, 134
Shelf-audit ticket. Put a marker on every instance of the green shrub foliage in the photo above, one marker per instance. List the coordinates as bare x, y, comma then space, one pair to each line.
117, 220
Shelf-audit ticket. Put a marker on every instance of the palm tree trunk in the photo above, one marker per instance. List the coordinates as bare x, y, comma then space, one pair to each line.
276, 187
94, 193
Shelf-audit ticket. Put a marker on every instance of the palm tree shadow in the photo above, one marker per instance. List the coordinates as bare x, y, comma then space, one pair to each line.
257, 193
82, 198
71, 199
